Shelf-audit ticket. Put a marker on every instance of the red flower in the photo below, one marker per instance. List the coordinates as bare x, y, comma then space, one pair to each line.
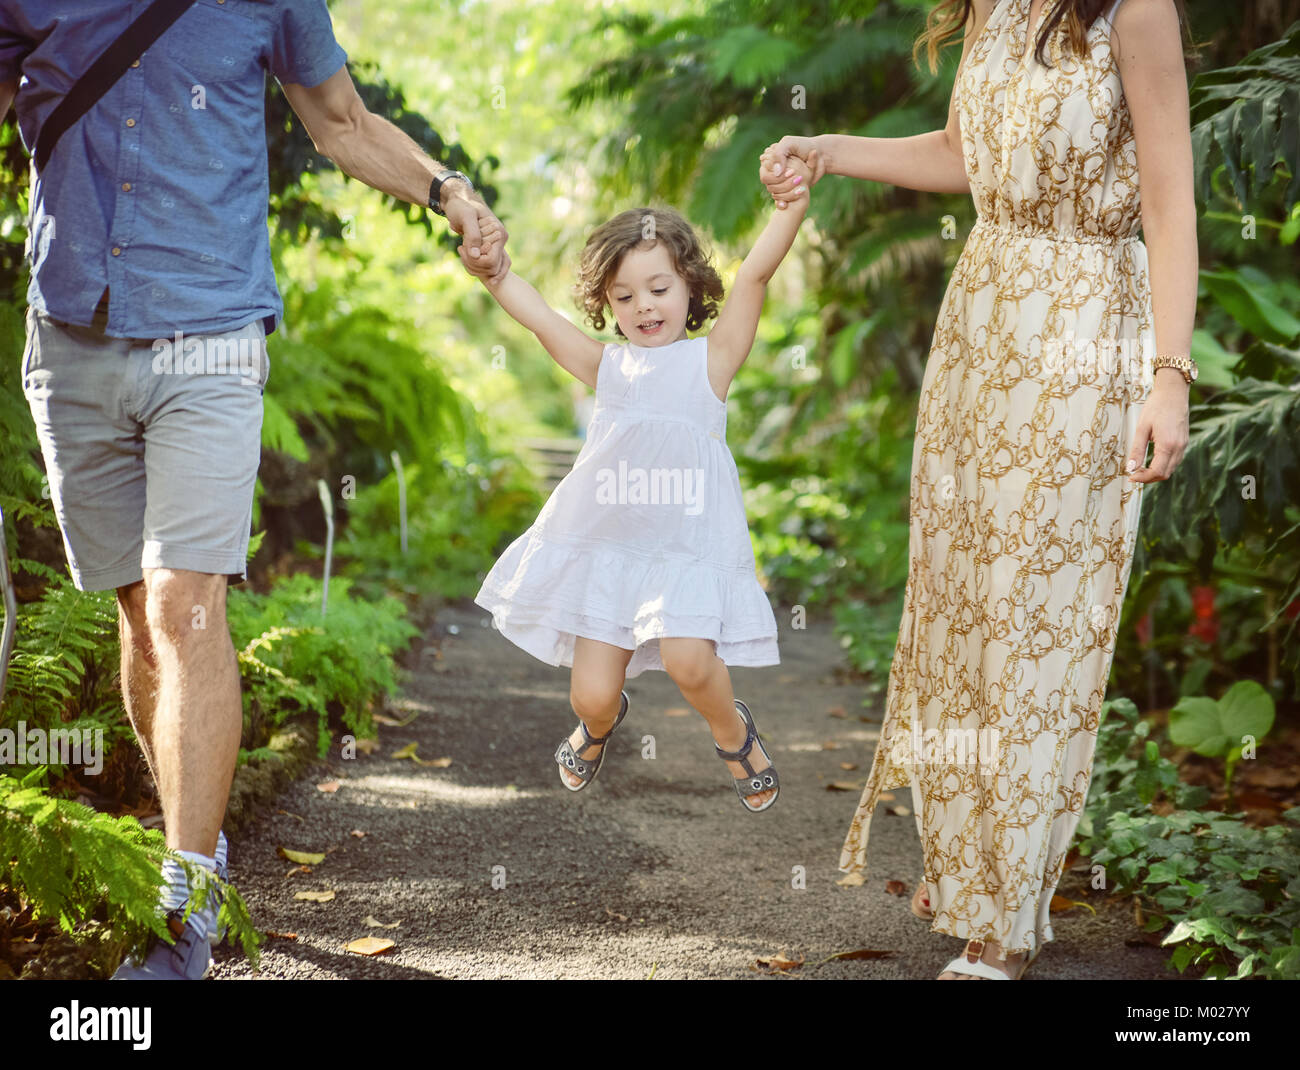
1145, 625
1205, 624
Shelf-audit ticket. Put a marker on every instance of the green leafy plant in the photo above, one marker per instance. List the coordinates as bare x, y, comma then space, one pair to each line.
75, 866
1226, 895
62, 675
1246, 118
1223, 728
294, 658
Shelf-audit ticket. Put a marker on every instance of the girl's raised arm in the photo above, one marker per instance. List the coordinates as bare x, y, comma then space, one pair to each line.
732, 336
569, 346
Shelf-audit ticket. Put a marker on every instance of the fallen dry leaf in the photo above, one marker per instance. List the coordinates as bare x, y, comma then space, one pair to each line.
307, 858
314, 897
1257, 800
409, 752
901, 811
282, 936
1271, 777
836, 711
676, 711
779, 961
367, 746
861, 953
885, 796
852, 880
830, 744
389, 722
371, 922
287, 814
329, 787
616, 917
848, 767
843, 785
369, 945
357, 833
895, 887
1060, 904
298, 869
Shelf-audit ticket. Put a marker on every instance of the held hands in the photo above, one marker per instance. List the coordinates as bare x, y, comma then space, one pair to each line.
483, 252
790, 167
1162, 421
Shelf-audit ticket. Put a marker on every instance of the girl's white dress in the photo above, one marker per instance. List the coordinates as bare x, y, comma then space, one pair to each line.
646, 537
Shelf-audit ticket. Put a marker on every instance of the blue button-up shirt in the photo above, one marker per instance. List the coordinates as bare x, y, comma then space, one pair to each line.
160, 191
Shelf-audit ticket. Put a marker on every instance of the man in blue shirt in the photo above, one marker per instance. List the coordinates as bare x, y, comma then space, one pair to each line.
151, 295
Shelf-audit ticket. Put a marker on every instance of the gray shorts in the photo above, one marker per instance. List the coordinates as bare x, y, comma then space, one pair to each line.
151, 449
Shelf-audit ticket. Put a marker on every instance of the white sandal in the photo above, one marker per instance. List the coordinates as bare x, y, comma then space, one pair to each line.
978, 968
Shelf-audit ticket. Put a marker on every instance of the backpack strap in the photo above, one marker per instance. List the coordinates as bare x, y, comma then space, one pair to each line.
100, 77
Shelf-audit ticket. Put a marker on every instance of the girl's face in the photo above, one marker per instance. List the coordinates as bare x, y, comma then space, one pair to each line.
648, 298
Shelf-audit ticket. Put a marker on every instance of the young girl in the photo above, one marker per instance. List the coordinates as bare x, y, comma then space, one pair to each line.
641, 557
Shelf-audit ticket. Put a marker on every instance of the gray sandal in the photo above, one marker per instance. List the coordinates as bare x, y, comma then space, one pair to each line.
754, 783
586, 768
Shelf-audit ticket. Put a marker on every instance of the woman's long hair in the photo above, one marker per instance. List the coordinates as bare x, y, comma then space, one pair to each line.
950, 16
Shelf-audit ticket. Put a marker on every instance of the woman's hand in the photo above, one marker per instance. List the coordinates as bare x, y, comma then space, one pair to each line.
1163, 421
796, 172
776, 173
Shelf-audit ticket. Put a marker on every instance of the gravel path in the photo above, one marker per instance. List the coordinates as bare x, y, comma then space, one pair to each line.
654, 869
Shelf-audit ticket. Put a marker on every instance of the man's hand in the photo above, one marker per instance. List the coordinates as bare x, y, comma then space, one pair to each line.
779, 179
371, 149
483, 251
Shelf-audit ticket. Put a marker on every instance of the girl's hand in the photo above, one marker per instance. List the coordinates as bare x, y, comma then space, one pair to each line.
797, 174
485, 237
1163, 420
779, 178
493, 236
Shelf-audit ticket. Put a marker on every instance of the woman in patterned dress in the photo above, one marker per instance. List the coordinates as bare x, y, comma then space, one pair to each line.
1046, 382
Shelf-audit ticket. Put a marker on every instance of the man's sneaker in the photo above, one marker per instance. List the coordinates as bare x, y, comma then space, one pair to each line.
188, 959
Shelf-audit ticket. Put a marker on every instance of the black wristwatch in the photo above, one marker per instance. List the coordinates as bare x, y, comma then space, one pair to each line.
435, 189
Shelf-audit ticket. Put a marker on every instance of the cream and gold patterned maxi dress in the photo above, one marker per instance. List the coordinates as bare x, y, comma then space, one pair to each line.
1023, 520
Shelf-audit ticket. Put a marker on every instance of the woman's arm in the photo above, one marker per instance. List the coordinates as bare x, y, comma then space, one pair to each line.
732, 336
933, 161
1149, 55
571, 348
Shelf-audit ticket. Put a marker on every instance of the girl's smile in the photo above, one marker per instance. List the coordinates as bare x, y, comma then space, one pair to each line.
648, 297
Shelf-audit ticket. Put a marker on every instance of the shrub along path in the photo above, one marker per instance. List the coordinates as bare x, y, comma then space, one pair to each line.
654, 869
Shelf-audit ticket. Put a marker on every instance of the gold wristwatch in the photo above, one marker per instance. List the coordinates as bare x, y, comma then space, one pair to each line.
1184, 364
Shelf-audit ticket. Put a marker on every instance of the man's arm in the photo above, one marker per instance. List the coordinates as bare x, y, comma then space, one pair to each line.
8, 90
372, 150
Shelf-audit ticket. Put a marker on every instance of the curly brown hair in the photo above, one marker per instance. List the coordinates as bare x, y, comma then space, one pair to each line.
643, 228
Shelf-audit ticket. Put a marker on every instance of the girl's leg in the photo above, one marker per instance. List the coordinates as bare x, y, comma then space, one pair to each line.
595, 682
705, 683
